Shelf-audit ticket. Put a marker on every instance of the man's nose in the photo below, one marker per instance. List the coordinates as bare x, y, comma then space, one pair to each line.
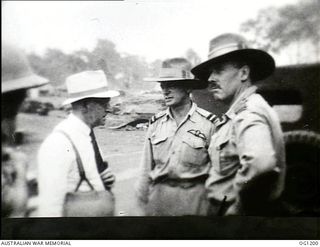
212, 81
212, 77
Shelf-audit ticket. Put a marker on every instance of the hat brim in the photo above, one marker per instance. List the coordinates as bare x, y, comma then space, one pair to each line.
190, 83
26, 82
261, 63
106, 94
162, 79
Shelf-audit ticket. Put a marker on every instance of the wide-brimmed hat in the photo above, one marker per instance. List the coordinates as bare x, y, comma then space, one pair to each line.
233, 46
177, 70
88, 84
15, 70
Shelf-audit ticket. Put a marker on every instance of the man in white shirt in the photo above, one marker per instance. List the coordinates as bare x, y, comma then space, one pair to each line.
58, 172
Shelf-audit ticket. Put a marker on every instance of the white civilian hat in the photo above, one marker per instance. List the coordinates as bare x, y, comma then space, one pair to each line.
88, 84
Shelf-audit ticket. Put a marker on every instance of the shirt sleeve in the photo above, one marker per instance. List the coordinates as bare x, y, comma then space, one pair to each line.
142, 185
55, 157
255, 148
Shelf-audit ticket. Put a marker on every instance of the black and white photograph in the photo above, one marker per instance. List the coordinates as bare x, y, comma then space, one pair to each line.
160, 120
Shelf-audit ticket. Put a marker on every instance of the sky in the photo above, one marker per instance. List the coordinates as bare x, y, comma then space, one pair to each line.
154, 29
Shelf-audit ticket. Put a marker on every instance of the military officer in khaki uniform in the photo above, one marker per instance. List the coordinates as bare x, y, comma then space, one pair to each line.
176, 162
247, 148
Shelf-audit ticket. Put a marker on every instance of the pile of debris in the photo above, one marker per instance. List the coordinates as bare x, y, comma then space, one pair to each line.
135, 110
38, 107
129, 111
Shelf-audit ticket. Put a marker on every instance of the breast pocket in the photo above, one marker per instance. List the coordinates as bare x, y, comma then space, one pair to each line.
159, 147
194, 151
225, 158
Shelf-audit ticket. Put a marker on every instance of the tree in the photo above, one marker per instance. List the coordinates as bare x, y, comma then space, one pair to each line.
134, 69
56, 65
277, 28
123, 71
105, 57
192, 57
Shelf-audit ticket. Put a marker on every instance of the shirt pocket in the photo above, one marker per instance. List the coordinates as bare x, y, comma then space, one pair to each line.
159, 148
194, 151
225, 158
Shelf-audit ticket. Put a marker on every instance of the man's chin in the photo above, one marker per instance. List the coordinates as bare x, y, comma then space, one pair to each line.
217, 96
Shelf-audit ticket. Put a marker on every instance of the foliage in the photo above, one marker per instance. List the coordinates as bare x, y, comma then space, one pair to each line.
276, 28
192, 57
124, 71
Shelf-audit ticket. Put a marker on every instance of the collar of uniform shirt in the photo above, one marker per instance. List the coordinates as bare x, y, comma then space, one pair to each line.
245, 94
189, 115
79, 124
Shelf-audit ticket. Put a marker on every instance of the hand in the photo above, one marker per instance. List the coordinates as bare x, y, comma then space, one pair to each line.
14, 191
108, 178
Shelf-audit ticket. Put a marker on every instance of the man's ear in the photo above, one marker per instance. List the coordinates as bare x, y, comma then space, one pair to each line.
244, 73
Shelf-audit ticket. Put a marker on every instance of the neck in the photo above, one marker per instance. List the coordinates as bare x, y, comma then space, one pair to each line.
82, 117
241, 89
179, 112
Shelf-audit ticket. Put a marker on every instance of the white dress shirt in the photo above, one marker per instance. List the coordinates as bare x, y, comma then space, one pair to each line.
57, 167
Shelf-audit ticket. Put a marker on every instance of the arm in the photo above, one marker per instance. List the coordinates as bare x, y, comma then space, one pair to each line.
255, 149
142, 186
54, 160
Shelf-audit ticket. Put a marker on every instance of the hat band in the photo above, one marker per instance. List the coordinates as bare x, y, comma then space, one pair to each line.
226, 49
88, 92
175, 73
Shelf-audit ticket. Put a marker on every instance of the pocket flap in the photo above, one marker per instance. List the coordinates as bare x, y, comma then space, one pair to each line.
221, 142
222, 139
194, 142
156, 140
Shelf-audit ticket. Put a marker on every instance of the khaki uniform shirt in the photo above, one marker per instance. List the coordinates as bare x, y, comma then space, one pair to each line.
178, 152
245, 145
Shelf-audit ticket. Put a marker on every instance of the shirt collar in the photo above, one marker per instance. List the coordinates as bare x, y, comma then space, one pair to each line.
168, 114
192, 111
244, 95
78, 124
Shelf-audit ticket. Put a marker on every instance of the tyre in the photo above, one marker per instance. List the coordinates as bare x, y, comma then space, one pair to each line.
301, 196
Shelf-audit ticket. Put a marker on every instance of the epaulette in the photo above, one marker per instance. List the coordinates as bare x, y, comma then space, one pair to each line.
157, 116
208, 115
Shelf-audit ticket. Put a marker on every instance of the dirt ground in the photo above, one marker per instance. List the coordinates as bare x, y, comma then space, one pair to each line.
121, 148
